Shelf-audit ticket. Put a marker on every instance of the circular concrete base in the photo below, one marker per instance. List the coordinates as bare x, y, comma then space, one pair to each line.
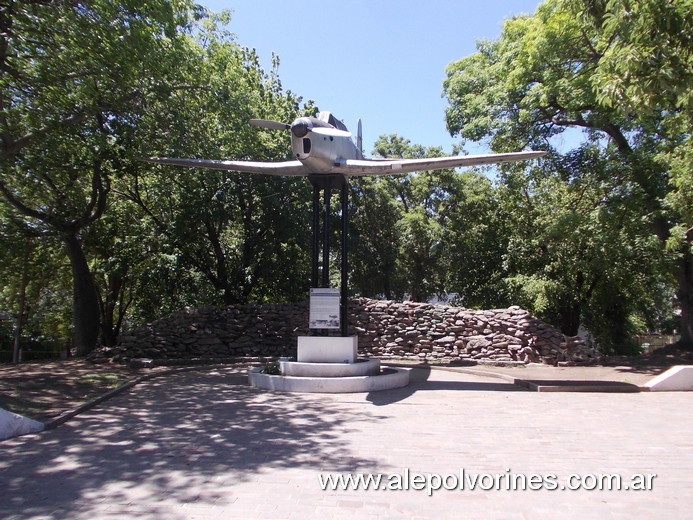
362, 367
389, 378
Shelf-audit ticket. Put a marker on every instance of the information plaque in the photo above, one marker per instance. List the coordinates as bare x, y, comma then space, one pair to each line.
324, 308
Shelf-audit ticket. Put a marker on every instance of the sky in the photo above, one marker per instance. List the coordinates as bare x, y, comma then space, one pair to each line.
382, 61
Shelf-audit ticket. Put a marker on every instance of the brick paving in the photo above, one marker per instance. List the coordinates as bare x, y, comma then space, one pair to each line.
203, 444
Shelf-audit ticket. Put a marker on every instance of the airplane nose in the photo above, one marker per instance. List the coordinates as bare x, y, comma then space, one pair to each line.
300, 129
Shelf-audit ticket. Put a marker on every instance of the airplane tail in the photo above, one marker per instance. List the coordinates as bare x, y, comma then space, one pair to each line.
359, 138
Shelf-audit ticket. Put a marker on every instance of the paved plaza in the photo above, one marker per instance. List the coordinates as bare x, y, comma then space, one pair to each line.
203, 444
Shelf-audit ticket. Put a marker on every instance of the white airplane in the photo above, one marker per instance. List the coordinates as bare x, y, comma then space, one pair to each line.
322, 145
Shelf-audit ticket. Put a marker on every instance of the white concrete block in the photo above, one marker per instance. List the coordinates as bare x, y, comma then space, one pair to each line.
390, 378
12, 425
362, 367
326, 349
678, 378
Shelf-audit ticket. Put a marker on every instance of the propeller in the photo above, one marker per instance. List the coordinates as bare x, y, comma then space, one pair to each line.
271, 125
330, 132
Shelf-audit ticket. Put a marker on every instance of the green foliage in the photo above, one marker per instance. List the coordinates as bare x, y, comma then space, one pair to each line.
397, 229
580, 253
241, 237
38, 269
86, 90
72, 75
599, 235
646, 52
474, 238
645, 71
272, 369
427, 234
587, 233
375, 240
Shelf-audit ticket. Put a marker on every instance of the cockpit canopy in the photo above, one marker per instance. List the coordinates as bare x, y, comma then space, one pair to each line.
327, 117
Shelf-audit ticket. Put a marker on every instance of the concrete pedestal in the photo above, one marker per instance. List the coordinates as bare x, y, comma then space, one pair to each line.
325, 349
329, 365
362, 367
12, 425
387, 379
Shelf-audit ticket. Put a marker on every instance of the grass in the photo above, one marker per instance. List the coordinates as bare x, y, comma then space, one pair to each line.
108, 380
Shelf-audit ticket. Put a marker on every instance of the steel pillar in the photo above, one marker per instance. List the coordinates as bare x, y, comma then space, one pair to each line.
320, 271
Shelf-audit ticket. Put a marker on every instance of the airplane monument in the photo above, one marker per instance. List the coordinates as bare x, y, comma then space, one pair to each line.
324, 151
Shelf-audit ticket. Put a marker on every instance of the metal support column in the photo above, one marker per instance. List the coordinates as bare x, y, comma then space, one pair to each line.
344, 295
315, 252
320, 272
326, 236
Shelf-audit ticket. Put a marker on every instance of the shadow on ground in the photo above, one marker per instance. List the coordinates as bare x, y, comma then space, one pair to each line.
652, 364
43, 390
176, 435
420, 381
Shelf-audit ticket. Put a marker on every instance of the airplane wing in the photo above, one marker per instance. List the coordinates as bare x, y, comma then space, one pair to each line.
269, 168
354, 167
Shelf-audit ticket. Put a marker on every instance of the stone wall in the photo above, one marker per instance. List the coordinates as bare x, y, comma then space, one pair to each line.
425, 331
386, 329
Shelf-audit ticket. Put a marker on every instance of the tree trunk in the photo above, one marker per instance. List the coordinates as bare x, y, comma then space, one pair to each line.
112, 306
109, 337
85, 301
570, 316
685, 297
21, 318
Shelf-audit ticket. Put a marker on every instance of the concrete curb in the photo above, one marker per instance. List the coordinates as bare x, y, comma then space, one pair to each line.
678, 378
603, 387
362, 367
536, 385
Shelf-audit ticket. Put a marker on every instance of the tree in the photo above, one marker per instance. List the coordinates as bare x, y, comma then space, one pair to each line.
475, 236
70, 72
427, 234
560, 69
34, 293
578, 253
419, 235
120, 257
375, 239
244, 236
419, 197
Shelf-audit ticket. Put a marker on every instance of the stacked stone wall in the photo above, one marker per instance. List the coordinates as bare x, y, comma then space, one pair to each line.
386, 329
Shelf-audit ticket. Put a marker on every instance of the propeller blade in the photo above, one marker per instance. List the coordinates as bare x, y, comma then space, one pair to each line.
271, 125
330, 132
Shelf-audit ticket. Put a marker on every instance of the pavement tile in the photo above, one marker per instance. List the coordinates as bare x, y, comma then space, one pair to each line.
205, 445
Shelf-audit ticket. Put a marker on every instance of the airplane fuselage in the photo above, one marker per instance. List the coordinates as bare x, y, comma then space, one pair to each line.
321, 152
